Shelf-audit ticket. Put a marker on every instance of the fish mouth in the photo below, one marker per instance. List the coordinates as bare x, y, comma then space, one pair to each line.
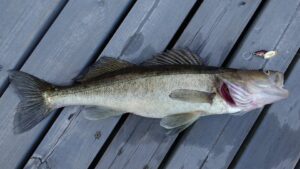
278, 93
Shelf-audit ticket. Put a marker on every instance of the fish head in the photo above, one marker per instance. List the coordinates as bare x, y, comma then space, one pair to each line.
251, 89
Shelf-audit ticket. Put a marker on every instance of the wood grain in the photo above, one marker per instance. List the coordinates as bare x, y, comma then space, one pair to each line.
232, 130
275, 143
276, 140
144, 145
64, 51
23, 24
134, 41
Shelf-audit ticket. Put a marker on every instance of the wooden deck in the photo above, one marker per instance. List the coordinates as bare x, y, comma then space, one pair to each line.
56, 39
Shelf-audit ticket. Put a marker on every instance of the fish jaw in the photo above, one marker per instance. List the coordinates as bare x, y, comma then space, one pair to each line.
269, 95
252, 90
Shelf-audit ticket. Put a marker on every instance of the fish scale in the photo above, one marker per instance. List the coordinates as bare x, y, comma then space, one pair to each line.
144, 96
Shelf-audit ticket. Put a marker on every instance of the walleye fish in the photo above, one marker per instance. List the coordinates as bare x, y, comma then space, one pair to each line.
173, 85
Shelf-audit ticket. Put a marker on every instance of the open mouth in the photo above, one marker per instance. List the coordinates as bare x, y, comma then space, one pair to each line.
225, 93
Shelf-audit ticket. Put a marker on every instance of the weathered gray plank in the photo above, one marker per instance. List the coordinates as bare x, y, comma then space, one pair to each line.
276, 141
130, 150
73, 142
144, 144
66, 48
298, 165
271, 30
22, 24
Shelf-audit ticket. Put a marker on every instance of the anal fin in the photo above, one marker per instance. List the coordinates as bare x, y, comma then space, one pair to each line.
98, 113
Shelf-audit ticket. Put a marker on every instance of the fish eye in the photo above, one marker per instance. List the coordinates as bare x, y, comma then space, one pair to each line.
267, 72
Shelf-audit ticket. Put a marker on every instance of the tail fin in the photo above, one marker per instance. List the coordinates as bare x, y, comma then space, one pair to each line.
32, 109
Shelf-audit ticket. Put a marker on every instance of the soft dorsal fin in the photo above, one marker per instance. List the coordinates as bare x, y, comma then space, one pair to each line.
174, 57
102, 66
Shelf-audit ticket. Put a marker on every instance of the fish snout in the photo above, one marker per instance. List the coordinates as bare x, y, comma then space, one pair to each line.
270, 95
279, 93
277, 78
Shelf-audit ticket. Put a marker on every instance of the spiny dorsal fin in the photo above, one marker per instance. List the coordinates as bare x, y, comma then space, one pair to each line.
174, 57
102, 66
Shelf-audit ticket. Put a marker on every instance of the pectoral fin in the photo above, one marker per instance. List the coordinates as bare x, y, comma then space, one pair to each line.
178, 122
98, 113
192, 96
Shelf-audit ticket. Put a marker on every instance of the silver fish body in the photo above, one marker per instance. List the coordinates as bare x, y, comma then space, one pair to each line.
146, 93
174, 86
